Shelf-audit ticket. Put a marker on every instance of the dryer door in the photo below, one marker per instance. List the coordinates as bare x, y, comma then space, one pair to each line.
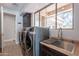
28, 44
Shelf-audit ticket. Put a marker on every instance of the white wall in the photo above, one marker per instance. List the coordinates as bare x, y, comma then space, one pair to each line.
70, 34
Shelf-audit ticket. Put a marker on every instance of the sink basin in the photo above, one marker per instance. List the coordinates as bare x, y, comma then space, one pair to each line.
56, 42
60, 43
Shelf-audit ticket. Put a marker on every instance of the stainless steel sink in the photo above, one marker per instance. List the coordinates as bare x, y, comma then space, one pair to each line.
61, 44
56, 42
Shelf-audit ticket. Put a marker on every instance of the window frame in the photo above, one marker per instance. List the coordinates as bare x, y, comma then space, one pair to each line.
72, 18
38, 11
39, 18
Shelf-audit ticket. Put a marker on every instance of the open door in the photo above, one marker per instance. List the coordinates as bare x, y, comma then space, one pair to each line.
1, 29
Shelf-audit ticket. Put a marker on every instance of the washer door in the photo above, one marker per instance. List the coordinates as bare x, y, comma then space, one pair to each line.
28, 41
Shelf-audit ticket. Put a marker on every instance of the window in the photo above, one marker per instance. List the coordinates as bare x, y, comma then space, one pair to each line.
48, 16
37, 19
51, 22
51, 16
64, 16
43, 18
55, 16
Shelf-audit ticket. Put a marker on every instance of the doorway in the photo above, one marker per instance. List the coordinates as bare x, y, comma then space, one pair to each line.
9, 29
10, 48
9, 26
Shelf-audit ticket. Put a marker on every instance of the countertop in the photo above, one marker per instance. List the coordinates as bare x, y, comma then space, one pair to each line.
74, 52
58, 49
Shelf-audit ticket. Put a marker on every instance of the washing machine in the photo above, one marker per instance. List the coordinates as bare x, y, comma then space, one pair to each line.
32, 38
40, 34
28, 41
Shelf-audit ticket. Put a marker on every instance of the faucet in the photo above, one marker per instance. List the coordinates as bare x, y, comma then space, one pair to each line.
60, 33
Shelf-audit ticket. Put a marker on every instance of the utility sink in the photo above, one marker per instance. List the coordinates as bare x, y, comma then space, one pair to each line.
56, 42
60, 43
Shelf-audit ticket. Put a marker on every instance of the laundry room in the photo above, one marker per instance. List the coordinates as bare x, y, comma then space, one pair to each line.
39, 29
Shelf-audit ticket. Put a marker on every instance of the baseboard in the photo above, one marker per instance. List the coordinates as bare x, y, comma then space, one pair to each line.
9, 40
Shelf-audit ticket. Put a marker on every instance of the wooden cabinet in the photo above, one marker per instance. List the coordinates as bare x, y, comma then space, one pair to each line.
45, 51
27, 20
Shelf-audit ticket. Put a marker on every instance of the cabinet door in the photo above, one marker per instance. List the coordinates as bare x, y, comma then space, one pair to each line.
27, 20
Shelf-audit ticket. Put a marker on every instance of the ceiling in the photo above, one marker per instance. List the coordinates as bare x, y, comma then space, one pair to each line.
32, 7
23, 7
13, 6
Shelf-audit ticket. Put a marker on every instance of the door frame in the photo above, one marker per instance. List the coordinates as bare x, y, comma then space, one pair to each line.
2, 18
14, 24
1, 28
